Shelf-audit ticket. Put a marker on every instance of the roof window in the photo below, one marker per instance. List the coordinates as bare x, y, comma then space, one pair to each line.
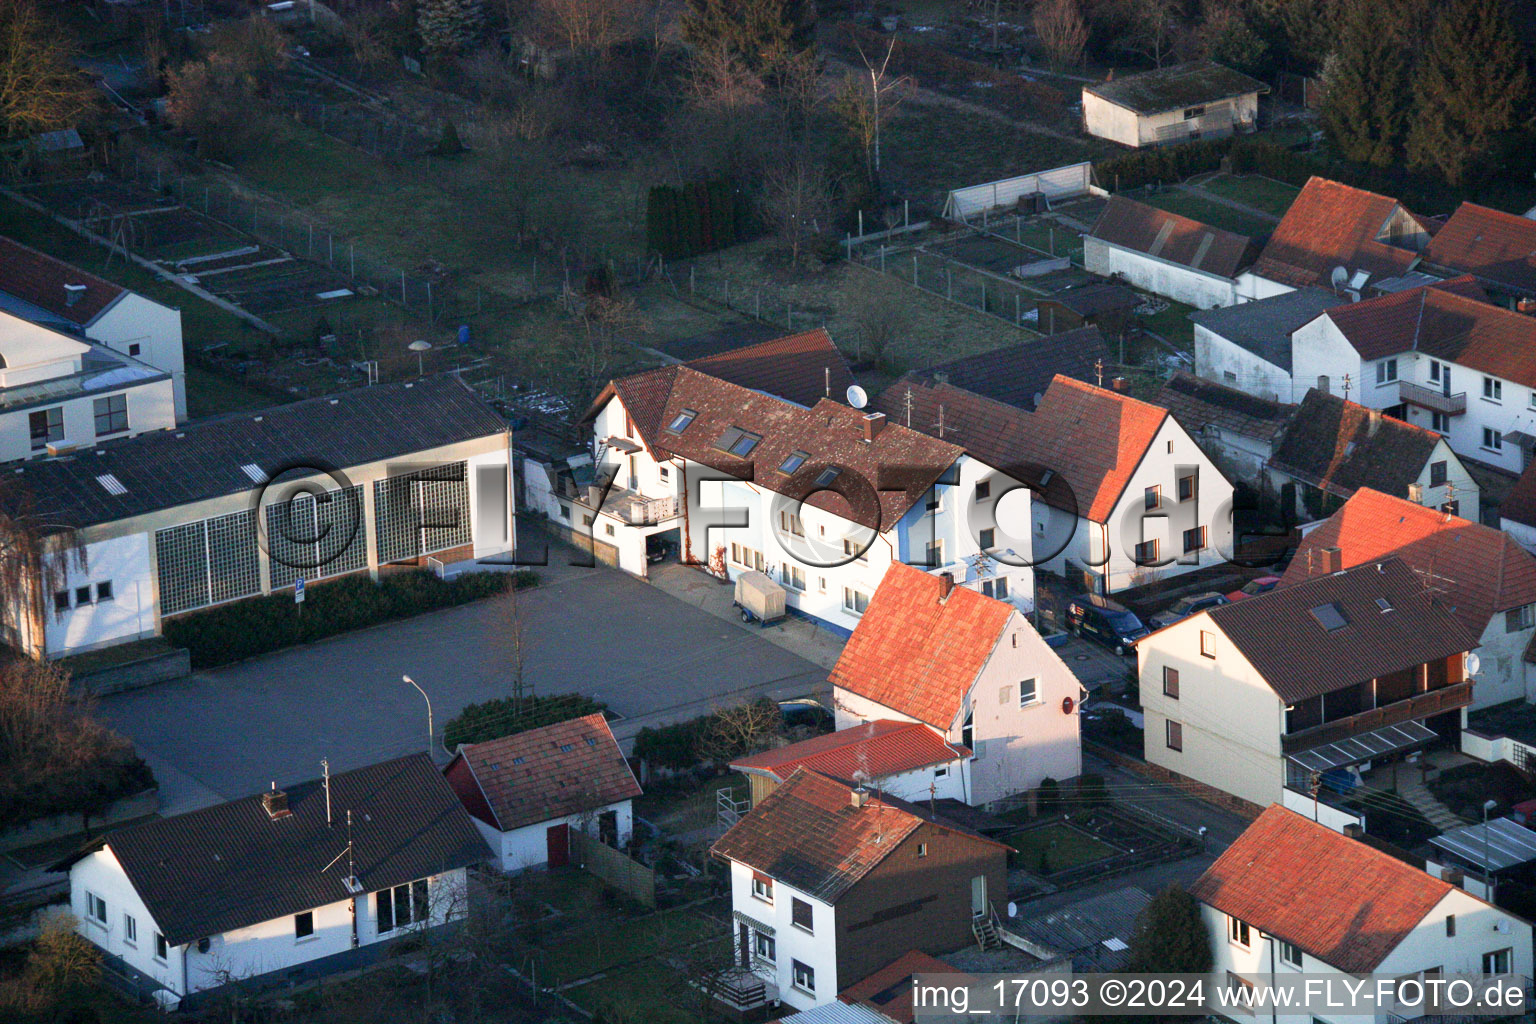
793, 462
738, 442
1330, 616
681, 420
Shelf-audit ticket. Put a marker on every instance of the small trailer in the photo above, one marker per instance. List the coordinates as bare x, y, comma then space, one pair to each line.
760, 599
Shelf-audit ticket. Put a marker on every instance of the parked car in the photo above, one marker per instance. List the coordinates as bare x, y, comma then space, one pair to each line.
1253, 588
805, 715
659, 548
1111, 624
1186, 606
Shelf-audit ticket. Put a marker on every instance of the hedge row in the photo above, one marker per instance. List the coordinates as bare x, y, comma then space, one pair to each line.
936, 68
29, 791
697, 218
504, 716
259, 625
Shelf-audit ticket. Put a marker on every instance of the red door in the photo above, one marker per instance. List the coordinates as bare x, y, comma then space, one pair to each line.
558, 838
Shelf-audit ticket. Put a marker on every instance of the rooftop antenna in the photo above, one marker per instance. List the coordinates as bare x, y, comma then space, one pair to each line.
325, 770
351, 882
827, 373
907, 402
941, 423
1098, 371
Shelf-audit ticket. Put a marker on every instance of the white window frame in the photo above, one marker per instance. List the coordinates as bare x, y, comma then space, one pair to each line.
762, 889
1029, 691
1386, 372
130, 931
1493, 440
799, 971
162, 949
1440, 422
1492, 957
1239, 933
1493, 389
96, 909
762, 941
1287, 949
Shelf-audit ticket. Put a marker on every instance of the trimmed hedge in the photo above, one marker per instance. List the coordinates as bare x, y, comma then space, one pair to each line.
260, 625
672, 746
697, 218
493, 719
32, 791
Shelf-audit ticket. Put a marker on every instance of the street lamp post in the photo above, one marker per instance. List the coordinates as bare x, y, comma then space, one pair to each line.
1488, 805
431, 732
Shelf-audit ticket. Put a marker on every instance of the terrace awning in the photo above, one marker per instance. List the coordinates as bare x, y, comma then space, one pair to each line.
1364, 747
1502, 843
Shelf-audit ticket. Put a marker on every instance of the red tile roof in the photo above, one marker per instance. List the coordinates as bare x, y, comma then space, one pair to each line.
918, 652
1335, 897
1090, 438
873, 749
1168, 236
889, 990
879, 480
1496, 246
1520, 503
549, 772
1475, 570
809, 835
39, 279
803, 368
1331, 225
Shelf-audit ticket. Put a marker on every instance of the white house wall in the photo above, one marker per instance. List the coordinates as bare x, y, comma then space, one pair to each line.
156, 329
816, 949
1319, 350
1232, 721
151, 406
528, 846
123, 562
1171, 280
1225, 362
101, 873
1502, 674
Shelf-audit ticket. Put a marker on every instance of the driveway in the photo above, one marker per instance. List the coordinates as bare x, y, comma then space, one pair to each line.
1095, 665
652, 658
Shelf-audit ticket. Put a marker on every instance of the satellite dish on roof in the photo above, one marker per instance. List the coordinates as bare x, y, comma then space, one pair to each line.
1473, 664
1340, 277
856, 396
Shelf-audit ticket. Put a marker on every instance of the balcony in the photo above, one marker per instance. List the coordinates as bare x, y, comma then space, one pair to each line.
1428, 398
741, 989
1423, 705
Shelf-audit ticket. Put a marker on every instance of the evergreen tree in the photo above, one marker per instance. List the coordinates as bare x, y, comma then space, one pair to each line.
762, 33
448, 26
1366, 107
1471, 86
1170, 936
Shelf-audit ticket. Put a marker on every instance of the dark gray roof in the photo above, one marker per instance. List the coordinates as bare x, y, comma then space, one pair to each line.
1264, 327
1181, 85
1197, 403
232, 865
204, 460
1340, 447
1013, 374
1093, 299
1300, 658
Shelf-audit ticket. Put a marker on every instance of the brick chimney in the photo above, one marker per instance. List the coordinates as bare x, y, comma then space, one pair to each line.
858, 796
1121, 384
73, 293
1354, 830
946, 585
1333, 560
1453, 875
874, 422
275, 803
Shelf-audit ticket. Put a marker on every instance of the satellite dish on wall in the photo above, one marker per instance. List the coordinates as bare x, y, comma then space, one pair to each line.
1013, 909
1340, 277
856, 396
1473, 664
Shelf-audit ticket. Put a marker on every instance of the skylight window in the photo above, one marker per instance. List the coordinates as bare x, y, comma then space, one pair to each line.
1383, 604
112, 485
1330, 616
738, 442
681, 420
255, 472
793, 463
827, 476
517, 760
566, 748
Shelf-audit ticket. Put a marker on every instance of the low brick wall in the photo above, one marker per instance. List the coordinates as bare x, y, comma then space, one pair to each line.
1157, 773
46, 830
131, 675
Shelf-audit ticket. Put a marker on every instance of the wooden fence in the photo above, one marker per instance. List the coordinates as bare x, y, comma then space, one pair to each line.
614, 868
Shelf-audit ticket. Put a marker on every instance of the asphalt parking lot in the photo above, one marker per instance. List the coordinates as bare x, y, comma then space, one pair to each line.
1095, 665
224, 733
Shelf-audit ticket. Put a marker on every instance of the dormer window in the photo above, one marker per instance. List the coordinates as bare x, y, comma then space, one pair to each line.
681, 420
793, 463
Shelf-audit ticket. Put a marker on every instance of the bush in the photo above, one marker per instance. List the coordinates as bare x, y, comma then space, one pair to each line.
697, 218
260, 625
1049, 798
672, 746
1091, 791
505, 716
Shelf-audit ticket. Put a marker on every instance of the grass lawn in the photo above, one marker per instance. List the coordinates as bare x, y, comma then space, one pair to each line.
1257, 191
604, 946
1173, 324
1060, 845
1207, 211
652, 992
677, 810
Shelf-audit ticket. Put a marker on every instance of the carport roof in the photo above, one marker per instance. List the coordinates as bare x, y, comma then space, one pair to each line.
237, 453
1498, 844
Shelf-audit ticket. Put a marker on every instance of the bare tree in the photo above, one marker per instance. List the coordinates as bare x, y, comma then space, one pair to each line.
739, 729
1062, 32
590, 24
885, 94
797, 200
880, 321
1154, 29
37, 554
39, 86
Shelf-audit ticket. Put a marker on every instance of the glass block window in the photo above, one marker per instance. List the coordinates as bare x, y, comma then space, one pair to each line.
206, 562
314, 536
419, 513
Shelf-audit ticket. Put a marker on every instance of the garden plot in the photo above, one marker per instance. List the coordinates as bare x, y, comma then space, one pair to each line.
269, 282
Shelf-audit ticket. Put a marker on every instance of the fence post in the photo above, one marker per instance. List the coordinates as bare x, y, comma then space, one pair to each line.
789, 316
1016, 319
906, 213
311, 240
691, 284
949, 283
848, 247
861, 224
206, 201
914, 270
430, 315
757, 305
351, 258
882, 258
727, 293
1053, 240
330, 249
402, 289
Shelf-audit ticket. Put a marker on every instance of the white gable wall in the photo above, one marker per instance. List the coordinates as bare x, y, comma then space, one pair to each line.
816, 949
528, 846
1162, 277
1226, 362
156, 329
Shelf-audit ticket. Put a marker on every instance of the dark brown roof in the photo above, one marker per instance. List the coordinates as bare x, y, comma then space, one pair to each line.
1520, 503
1168, 236
1336, 898
550, 772
1476, 569
1176, 86
809, 835
1449, 321
1015, 374
877, 482
1198, 403
1299, 658
1091, 439
1339, 447
803, 368
232, 865
918, 652
1331, 225
1494, 246
39, 279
